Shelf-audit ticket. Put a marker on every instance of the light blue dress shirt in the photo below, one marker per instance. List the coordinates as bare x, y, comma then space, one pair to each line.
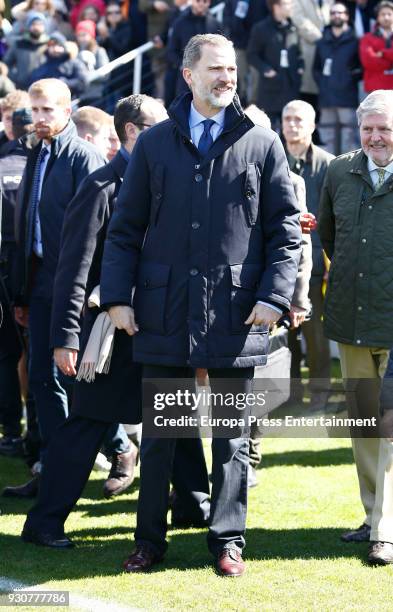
196, 124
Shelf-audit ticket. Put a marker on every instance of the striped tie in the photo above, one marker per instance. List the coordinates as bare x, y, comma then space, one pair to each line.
34, 201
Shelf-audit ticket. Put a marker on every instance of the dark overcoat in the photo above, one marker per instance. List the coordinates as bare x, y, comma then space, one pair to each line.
71, 160
202, 239
267, 40
115, 396
340, 87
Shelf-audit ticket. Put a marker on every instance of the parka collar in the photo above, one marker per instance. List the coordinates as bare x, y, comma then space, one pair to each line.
119, 165
235, 126
63, 137
328, 35
359, 167
179, 112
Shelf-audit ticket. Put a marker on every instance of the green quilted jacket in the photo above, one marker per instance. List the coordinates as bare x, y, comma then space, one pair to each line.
356, 230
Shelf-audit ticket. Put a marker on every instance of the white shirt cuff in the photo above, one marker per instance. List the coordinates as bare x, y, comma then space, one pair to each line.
276, 308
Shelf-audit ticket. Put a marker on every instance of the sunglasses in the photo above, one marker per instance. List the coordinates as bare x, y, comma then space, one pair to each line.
113, 13
146, 125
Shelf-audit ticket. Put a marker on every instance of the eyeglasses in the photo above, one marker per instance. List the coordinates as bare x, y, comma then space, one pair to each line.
338, 12
146, 125
113, 13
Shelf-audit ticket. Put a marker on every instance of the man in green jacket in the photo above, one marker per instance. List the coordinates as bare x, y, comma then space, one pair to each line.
356, 229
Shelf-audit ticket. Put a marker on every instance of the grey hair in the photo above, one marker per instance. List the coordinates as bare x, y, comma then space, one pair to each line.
377, 102
304, 107
193, 50
258, 116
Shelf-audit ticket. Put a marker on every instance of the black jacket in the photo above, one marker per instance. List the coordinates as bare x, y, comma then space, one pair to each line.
119, 41
71, 160
237, 28
341, 87
72, 72
12, 165
11, 170
114, 396
202, 239
184, 28
268, 38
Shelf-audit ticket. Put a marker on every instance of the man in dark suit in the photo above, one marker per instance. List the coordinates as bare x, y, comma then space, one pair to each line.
54, 170
311, 163
206, 229
112, 397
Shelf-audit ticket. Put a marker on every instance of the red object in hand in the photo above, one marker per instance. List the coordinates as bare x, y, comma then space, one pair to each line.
308, 222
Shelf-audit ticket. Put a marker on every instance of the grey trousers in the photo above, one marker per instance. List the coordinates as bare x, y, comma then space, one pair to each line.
338, 129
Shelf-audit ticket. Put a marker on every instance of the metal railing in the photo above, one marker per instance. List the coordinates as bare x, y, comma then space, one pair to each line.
136, 56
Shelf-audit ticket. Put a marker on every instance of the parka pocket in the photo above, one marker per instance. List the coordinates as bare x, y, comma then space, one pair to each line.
157, 191
150, 297
245, 280
251, 192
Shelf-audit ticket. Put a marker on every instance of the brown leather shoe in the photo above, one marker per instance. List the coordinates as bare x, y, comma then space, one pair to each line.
230, 563
141, 559
25, 491
380, 553
122, 471
361, 534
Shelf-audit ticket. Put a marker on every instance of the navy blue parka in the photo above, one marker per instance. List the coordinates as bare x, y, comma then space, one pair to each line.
201, 240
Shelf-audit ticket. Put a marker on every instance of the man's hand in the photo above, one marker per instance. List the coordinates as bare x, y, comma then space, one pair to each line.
102, 29
65, 359
308, 222
21, 314
269, 74
122, 317
297, 316
263, 315
161, 6
158, 43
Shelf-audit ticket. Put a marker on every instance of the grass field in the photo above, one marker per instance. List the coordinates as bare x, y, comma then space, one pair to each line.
307, 495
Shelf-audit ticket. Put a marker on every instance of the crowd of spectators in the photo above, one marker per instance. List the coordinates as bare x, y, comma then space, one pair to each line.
326, 53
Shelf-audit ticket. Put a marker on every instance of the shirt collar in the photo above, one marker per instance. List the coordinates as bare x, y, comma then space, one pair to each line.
196, 118
372, 166
125, 153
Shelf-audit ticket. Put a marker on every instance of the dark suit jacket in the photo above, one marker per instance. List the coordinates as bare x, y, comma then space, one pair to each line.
114, 396
71, 160
313, 172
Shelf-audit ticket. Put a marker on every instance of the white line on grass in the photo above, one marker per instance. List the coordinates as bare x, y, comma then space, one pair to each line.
79, 601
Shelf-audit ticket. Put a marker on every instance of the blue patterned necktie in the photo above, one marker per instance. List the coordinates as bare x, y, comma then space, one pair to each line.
34, 201
206, 140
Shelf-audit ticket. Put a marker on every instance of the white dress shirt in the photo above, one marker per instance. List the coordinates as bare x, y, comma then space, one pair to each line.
373, 170
37, 242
